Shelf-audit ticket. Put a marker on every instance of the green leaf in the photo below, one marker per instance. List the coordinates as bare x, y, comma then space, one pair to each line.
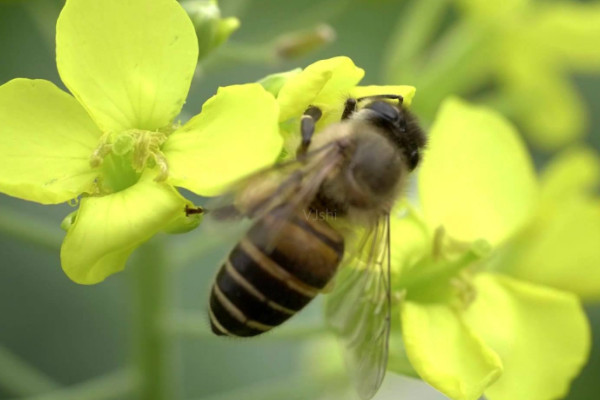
108, 229
563, 251
477, 179
235, 134
446, 353
46, 140
541, 335
323, 84
130, 63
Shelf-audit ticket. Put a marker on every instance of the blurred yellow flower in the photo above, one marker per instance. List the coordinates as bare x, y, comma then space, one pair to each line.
515, 54
467, 325
325, 84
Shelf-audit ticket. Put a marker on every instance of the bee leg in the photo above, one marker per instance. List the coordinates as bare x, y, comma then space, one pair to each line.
307, 128
193, 210
349, 108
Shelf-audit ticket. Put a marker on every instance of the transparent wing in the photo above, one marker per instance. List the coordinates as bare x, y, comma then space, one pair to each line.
278, 193
359, 309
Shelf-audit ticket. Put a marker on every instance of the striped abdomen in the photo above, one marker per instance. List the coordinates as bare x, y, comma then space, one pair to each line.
264, 282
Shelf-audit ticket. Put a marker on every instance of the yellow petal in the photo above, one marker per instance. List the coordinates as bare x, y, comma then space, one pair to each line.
130, 63
108, 229
569, 33
410, 240
574, 172
325, 83
445, 353
541, 335
46, 140
564, 249
544, 101
235, 134
477, 179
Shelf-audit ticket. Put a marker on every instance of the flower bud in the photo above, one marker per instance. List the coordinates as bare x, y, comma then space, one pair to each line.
297, 44
211, 29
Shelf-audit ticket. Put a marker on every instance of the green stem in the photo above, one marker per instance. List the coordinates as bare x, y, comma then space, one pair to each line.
29, 229
153, 348
457, 64
18, 377
116, 385
415, 29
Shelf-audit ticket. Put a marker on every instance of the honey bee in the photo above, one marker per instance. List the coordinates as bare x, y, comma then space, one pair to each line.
353, 172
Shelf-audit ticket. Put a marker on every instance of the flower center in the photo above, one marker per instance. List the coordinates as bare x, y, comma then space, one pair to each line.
446, 274
122, 157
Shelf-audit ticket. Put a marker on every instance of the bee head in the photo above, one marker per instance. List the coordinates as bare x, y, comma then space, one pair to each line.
386, 115
400, 127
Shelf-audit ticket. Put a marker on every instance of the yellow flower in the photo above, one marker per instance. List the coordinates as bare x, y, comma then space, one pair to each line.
114, 142
467, 325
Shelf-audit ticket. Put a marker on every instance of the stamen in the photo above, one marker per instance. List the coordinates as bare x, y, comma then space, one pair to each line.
104, 148
466, 291
125, 155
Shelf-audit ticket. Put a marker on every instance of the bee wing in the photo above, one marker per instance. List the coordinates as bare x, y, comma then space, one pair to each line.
280, 191
359, 309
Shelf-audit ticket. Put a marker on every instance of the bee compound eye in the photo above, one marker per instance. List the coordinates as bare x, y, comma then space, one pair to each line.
385, 111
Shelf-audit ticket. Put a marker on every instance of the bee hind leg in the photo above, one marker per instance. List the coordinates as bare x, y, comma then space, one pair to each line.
307, 128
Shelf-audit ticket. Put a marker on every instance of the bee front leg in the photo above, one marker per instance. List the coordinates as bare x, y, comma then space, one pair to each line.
307, 128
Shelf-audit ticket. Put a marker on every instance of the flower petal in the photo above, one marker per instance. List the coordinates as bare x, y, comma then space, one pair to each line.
568, 32
407, 92
130, 63
541, 335
46, 140
561, 249
107, 229
274, 82
410, 240
574, 172
235, 134
477, 179
445, 353
564, 251
324, 84
535, 90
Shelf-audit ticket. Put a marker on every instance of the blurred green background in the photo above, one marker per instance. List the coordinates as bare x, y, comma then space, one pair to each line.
73, 333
